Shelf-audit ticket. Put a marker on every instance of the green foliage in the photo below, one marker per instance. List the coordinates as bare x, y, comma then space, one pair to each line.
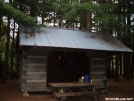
7, 10
105, 16
2, 40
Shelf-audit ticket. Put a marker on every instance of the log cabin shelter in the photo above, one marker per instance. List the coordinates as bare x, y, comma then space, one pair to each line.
50, 54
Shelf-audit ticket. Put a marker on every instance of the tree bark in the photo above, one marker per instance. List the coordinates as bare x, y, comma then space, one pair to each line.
6, 54
17, 53
12, 54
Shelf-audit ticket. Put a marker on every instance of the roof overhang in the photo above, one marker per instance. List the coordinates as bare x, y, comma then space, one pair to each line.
66, 38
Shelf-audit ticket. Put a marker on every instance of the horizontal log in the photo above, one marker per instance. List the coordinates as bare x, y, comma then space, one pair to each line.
36, 57
36, 64
97, 76
103, 59
35, 60
30, 84
72, 94
96, 80
34, 77
34, 85
36, 69
36, 81
34, 89
24, 69
36, 72
98, 73
98, 65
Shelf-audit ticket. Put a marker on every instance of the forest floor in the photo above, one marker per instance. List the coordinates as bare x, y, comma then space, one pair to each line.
122, 89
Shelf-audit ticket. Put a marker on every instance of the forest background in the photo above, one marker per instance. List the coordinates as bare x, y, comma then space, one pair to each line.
115, 17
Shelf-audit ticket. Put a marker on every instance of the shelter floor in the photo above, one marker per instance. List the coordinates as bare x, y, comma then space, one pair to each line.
11, 92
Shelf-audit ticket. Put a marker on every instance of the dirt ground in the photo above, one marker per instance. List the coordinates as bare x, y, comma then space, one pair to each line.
123, 89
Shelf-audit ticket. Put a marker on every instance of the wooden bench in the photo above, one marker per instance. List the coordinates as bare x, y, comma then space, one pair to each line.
63, 95
63, 89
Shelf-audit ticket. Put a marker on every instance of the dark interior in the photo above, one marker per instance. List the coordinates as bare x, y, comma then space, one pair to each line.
66, 66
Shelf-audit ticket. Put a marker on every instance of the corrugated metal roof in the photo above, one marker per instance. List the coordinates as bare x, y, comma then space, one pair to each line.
65, 38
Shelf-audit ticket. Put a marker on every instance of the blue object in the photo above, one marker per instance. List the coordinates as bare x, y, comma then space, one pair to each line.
86, 79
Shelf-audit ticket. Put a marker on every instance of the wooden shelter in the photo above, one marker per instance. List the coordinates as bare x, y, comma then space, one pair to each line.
63, 55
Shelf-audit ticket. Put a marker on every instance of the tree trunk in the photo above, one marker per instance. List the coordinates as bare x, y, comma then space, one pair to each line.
0, 32
12, 54
0, 23
55, 19
6, 54
17, 53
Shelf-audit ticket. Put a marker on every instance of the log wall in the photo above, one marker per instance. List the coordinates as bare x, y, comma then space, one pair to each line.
38, 68
33, 75
98, 67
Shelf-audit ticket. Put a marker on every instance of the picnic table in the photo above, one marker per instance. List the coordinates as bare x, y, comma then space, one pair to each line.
64, 89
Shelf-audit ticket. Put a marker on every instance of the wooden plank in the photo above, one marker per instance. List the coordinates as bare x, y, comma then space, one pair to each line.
24, 77
36, 57
98, 73
36, 72
34, 89
35, 77
100, 59
97, 76
35, 60
36, 81
37, 84
36, 64
72, 94
72, 84
98, 65
34, 86
36, 69
96, 80
24, 69
98, 69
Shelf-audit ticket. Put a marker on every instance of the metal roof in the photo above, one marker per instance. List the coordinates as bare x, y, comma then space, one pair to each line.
66, 38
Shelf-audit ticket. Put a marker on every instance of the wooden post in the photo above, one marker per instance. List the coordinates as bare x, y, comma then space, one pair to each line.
128, 61
132, 66
120, 56
124, 64
112, 67
116, 68
25, 94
